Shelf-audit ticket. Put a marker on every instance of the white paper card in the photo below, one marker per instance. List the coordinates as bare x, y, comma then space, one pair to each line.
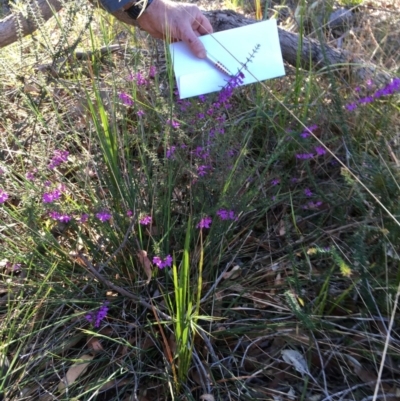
198, 77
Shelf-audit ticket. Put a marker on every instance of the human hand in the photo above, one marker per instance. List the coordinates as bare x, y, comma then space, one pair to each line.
164, 19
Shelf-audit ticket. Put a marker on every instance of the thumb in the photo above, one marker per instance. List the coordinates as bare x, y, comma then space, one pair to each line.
194, 43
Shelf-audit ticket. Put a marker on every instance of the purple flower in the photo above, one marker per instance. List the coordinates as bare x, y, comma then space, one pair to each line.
202, 98
54, 215
304, 156
200, 116
30, 175
170, 152
49, 197
226, 93
140, 113
312, 205
320, 150
3, 196
351, 106
103, 216
17, 267
202, 170
167, 262
64, 218
294, 180
174, 124
224, 214
96, 317
201, 153
126, 99
129, 213
389, 89
145, 221
84, 218
138, 78
59, 157
275, 181
367, 99
152, 71
307, 192
205, 222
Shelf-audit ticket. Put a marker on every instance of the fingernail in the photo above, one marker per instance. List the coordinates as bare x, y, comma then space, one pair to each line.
202, 54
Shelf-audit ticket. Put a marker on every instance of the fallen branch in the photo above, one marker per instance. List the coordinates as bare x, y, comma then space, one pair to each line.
15, 26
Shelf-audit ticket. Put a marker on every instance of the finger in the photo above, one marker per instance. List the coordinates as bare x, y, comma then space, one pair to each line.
205, 26
194, 43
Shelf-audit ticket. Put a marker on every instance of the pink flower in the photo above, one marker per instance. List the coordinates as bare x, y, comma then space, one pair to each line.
145, 221
49, 197
54, 215
129, 213
59, 156
30, 175
224, 214
64, 218
152, 71
126, 99
139, 78
157, 261
3, 196
174, 124
167, 262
